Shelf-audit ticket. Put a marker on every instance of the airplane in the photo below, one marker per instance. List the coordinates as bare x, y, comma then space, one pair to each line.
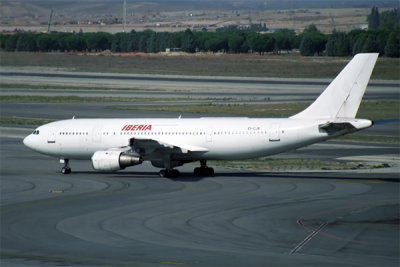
114, 144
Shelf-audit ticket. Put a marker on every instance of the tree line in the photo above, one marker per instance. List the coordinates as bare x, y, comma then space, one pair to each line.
383, 37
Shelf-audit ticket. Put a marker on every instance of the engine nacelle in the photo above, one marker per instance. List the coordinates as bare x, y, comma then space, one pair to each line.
114, 160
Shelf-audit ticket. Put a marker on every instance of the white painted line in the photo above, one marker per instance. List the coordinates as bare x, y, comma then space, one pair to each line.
308, 238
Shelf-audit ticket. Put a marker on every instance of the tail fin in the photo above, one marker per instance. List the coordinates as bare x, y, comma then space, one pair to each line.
342, 97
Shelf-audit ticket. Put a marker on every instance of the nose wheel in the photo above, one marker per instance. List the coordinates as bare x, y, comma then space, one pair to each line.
66, 169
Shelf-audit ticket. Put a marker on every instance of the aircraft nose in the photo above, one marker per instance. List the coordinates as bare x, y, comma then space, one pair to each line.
28, 141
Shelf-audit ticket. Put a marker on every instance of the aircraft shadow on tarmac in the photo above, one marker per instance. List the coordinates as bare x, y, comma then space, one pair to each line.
190, 177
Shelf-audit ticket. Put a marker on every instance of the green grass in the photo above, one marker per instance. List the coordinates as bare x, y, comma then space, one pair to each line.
373, 110
377, 139
78, 99
379, 110
200, 65
62, 87
282, 164
22, 121
259, 110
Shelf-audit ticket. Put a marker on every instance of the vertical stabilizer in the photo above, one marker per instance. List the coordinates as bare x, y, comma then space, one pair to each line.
342, 97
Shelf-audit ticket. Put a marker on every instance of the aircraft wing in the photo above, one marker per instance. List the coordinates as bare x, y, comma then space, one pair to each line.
147, 146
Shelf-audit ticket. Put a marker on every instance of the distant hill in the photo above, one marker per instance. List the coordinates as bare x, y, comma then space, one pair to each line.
35, 13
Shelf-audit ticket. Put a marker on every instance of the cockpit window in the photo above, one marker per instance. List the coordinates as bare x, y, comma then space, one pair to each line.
35, 132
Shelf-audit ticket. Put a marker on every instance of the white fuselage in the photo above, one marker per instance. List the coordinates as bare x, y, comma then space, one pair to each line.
219, 138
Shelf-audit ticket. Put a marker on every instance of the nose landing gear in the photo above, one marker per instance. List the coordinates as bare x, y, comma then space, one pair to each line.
66, 169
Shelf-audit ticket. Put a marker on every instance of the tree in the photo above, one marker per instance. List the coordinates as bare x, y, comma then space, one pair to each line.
390, 19
306, 46
392, 48
359, 44
47, 42
338, 45
26, 42
188, 42
76, 42
283, 40
11, 43
151, 45
310, 29
214, 44
3, 40
142, 44
235, 42
373, 18
99, 41
121, 42
369, 45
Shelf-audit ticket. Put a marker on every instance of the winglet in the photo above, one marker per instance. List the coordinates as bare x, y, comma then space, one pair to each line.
342, 98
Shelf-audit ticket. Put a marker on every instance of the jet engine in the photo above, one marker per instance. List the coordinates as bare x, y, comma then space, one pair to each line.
114, 160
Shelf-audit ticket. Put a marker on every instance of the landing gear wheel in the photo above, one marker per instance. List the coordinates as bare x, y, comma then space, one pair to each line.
203, 171
169, 173
66, 169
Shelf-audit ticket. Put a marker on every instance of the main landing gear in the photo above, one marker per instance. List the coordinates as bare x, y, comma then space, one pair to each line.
203, 170
169, 173
66, 169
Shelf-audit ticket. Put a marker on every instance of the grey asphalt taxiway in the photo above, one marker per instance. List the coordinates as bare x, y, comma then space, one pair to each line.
236, 218
232, 89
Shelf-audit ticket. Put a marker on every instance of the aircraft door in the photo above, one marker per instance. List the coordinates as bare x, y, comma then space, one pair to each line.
96, 137
51, 137
209, 135
274, 134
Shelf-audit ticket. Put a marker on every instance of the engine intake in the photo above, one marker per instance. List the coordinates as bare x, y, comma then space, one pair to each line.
114, 160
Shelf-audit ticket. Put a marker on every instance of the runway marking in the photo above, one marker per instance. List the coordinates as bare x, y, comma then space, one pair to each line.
57, 191
308, 238
172, 263
324, 212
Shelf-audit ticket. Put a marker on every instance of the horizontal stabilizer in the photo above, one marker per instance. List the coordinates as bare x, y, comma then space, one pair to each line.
345, 126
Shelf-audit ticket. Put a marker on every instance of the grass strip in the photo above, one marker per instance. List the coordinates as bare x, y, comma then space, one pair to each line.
282, 110
79, 99
200, 65
284, 164
23, 121
373, 110
376, 139
69, 87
